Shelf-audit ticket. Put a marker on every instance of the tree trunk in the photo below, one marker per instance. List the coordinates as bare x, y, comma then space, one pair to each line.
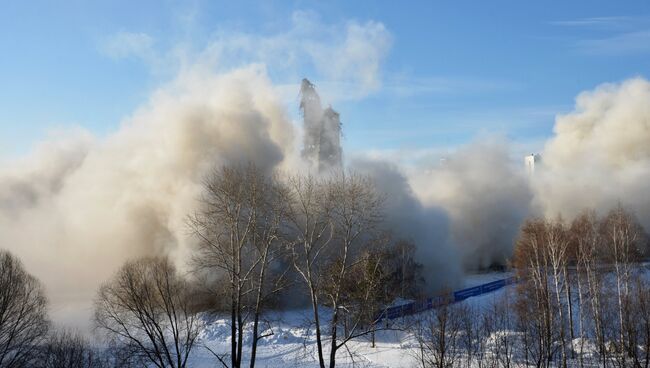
319, 341
569, 307
333, 345
233, 326
258, 305
581, 313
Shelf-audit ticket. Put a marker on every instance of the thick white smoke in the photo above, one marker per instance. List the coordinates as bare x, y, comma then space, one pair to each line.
426, 225
600, 154
486, 197
598, 157
78, 207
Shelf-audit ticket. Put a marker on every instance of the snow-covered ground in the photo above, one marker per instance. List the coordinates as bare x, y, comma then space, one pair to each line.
293, 343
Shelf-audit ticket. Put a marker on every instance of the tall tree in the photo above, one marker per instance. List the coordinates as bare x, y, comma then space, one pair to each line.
533, 265
145, 310
587, 245
330, 222
623, 239
439, 337
238, 227
23, 314
556, 246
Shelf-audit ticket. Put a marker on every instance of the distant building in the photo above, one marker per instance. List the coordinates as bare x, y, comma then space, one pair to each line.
531, 161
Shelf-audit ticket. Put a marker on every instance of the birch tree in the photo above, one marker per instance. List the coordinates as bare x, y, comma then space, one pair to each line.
238, 229
330, 223
587, 244
533, 265
623, 239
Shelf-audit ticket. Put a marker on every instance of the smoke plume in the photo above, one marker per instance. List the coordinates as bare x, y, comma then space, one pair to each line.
410, 219
486, 197
79, 207
600, 155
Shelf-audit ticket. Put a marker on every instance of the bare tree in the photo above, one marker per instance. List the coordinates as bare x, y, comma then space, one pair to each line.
23, 314
363, 296
309, 234
355, 216
330, 223
532, 262
587, 245
67, 349
642, 316
556, 246
578, 231
470, 340
404, 277
528, 328
238, 228
604, 253
144, 309
439, 337
622, 236
505, 339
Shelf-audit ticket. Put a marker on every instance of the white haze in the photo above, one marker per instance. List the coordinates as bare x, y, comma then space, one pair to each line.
79, 206
485, 196
600, 154
411, 219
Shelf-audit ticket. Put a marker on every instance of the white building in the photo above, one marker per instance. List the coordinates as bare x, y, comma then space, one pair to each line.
530, 161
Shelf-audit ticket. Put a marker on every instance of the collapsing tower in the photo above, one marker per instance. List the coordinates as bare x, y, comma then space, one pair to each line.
322, 139
530, 161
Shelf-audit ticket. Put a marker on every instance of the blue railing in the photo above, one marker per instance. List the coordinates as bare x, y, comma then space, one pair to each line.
450, 298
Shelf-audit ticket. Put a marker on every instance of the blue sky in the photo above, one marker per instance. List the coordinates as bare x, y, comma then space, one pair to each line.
447, 71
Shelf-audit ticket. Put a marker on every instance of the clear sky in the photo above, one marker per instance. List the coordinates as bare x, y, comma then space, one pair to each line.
419, 75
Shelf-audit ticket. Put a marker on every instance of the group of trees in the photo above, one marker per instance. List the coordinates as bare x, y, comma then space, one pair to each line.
583, 281
582, 300
259, 240
257, 234
466, 335
27, 338
144, 309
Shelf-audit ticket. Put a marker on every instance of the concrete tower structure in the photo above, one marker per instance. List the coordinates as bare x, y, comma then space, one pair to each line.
531, 161
322, 139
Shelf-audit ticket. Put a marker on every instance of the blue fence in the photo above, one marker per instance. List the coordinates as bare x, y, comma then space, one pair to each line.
437, 301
